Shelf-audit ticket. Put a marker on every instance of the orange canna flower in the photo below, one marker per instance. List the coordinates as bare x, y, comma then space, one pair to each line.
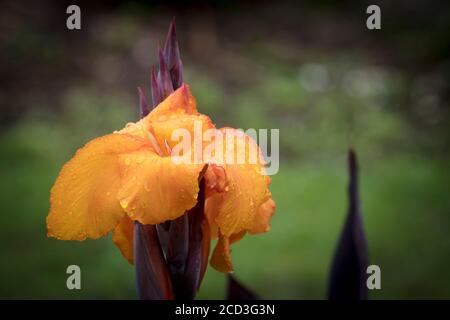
130, 175
133, 183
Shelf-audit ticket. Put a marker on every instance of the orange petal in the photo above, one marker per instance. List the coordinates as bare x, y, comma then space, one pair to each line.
236, 209
181, 101
123, 238
175, 121
138, 129
216, 182
155, 189
216, 179
174, 129
83, 201
221, 256
262, 219
235, 237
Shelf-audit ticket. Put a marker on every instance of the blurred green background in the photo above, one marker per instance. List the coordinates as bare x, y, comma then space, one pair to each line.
310, 68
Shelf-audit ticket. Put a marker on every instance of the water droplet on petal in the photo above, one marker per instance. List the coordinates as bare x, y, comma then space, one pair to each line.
140, 159
124, 203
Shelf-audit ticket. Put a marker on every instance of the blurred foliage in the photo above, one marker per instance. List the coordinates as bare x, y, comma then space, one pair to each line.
323, 101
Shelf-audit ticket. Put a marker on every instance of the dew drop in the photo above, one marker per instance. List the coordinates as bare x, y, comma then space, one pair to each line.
124, 203
140, 159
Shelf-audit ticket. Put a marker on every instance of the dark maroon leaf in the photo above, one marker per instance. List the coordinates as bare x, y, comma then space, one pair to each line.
163, 235
171, 50
186, 250
196, 259
177, 253
172, 56
236, 291
348, 272
177, 247
143, 106
176, 73
156, 92
204, 250
163, 78
152, 276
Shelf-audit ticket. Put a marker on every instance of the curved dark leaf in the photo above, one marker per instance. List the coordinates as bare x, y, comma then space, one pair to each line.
236, 291
187, 247
143, 106
163, 78
163, 235
195, 267
156, 92
177, 253
152, 276
172, 56
348, 272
